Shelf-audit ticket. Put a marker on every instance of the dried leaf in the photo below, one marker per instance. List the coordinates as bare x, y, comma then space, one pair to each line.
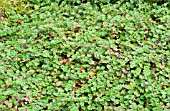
65, 61
112, 35
80, 83
27, 99
161, 66
82, 69
57, 36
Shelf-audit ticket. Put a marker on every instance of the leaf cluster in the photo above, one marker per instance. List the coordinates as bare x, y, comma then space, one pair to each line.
76, 57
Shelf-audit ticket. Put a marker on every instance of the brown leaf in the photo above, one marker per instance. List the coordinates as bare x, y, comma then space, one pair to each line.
93, 69
80, 83
110, 51
27, 99
65, 61
161, 66
139, 26
112, 35
20, 23
82, 69
146, 38
57, 36
80, 32
51, 34
76, 29
106, 25
3, 38
58, 83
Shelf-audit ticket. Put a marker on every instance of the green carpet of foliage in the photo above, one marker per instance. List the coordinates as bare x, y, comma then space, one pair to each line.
84, 57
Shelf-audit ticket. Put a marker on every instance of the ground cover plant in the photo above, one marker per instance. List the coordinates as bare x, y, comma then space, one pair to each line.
71, 56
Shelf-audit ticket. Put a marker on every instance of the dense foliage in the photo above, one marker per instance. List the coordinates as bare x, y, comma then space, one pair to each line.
77, 57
